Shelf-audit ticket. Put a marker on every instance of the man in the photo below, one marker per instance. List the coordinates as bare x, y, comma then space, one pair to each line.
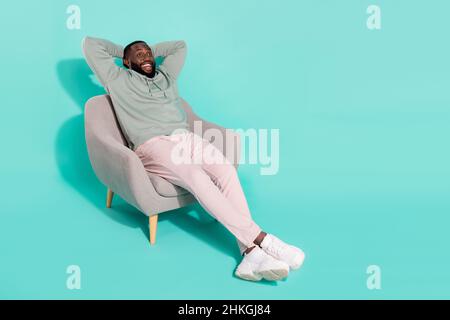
148, 108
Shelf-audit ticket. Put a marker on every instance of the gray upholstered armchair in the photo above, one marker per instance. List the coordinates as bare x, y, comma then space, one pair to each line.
122, 172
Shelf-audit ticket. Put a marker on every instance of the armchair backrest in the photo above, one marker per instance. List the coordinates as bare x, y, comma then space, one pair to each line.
101, 120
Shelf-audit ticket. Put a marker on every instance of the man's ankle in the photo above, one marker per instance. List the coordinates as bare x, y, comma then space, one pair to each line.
260, 238
248, 250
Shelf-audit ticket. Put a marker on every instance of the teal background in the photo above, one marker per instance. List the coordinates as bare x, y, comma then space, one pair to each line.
364, 155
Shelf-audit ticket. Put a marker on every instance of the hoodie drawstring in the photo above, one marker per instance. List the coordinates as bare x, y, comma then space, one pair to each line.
150, 90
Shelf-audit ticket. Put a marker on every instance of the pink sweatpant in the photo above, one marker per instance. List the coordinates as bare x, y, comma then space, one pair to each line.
215, 184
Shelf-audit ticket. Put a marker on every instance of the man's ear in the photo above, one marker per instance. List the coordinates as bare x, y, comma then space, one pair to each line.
126, 63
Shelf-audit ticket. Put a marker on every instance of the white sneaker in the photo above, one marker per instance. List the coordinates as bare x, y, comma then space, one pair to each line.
292, 255
257, 265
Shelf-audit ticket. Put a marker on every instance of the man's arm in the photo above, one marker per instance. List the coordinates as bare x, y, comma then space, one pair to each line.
100, 54
174, 53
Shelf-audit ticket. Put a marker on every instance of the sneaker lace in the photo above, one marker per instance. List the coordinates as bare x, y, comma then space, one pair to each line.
276, 248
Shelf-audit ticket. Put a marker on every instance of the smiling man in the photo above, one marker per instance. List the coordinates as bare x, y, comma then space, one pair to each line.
139, 57
148, 107
145, 98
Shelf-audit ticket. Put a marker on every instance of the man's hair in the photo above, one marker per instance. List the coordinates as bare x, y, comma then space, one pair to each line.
126, 50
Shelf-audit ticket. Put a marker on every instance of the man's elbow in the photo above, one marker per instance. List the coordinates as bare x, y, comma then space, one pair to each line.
182, 47
181, 44
86, 44
89, 42
85, 40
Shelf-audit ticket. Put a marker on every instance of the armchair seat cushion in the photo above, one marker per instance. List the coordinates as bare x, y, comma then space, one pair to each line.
166, 188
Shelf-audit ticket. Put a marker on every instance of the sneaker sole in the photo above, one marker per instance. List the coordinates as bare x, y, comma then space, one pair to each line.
249, 277
274, 274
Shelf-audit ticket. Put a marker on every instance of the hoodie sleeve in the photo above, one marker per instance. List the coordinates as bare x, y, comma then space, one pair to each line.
174, 53
100, 54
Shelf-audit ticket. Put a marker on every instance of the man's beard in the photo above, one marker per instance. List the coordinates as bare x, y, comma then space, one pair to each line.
138, 69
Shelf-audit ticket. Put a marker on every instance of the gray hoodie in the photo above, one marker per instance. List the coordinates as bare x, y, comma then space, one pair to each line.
145, 107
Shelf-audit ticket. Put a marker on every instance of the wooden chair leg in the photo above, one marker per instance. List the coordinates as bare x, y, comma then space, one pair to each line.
109, 197
153, 223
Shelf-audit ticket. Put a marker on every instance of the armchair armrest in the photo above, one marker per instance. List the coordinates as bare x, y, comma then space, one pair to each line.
226, 140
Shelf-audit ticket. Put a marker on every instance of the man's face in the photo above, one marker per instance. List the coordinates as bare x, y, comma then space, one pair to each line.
141, 60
